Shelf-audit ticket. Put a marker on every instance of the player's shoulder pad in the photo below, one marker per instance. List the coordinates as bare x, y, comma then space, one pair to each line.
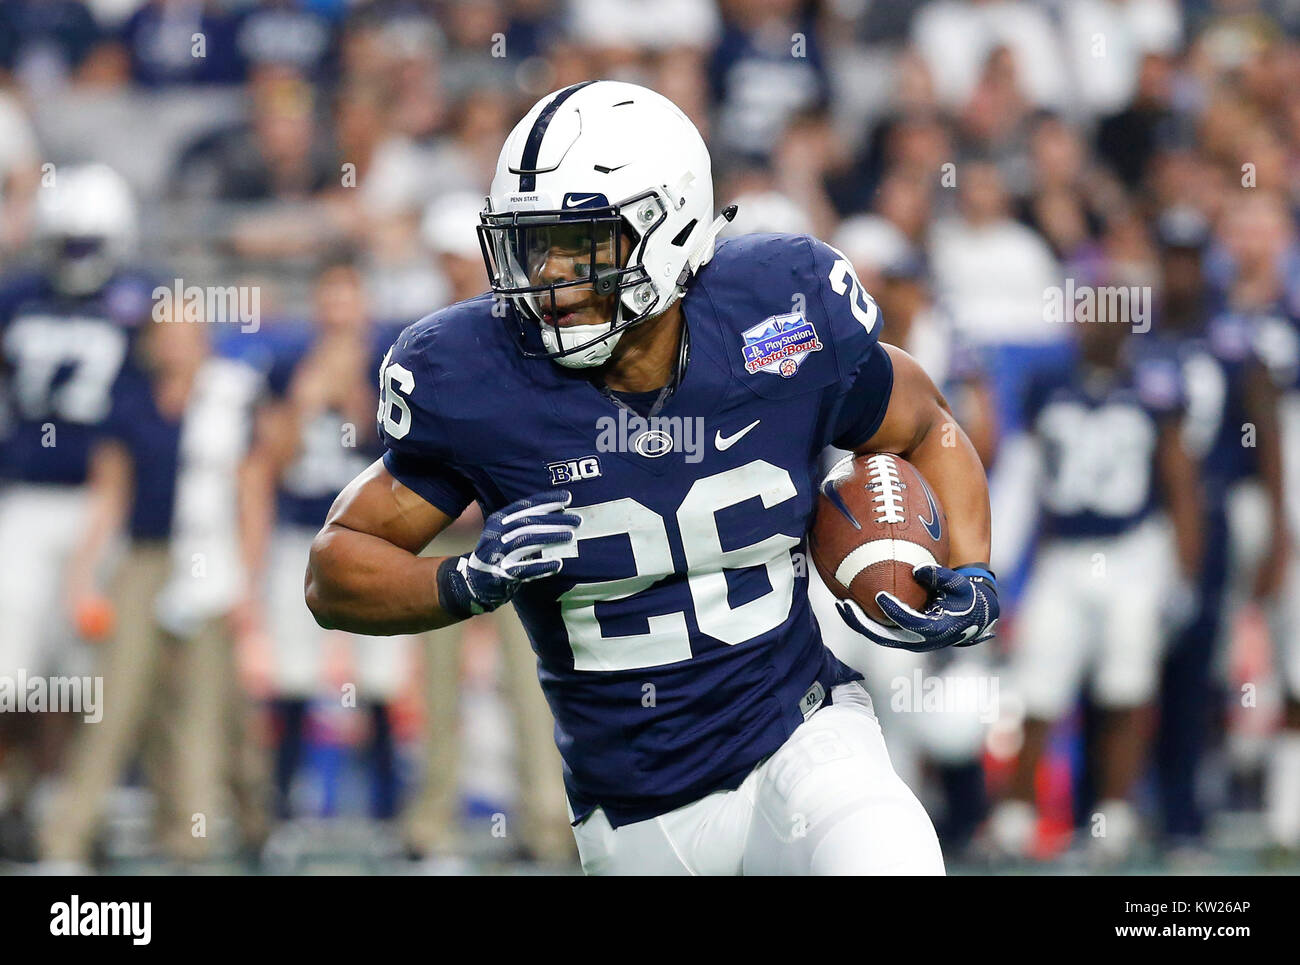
20, 287
1159, 385
794, 316
1231, 339
452, 339
447, 370
135, 295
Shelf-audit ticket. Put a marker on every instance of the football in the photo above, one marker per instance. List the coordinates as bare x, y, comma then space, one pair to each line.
876, 519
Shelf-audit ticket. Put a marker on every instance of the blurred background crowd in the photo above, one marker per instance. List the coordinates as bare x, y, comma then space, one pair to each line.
322, 162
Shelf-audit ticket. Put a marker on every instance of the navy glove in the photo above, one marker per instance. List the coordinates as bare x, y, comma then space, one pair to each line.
962, 611
509, 553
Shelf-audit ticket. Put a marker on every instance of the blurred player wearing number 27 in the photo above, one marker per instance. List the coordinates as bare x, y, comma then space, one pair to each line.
704, 727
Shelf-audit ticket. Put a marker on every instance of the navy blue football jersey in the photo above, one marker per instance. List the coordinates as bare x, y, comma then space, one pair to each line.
1098, 436
152, 440
330, 454
59, 360
1245, 346
676, 648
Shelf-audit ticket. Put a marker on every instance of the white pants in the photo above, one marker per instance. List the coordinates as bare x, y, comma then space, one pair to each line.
947, 736
39, 529
826, 803
381, 666
1250, 527
1093, 609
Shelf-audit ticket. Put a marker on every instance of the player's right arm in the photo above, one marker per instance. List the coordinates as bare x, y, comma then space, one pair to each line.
365, 574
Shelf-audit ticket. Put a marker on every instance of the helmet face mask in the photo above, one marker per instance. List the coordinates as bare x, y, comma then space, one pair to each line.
602, 199
552, 264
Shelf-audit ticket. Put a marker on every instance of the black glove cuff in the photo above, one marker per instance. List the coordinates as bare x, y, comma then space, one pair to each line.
453, 592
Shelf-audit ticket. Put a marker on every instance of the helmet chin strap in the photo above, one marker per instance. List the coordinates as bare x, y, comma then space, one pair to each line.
704, 250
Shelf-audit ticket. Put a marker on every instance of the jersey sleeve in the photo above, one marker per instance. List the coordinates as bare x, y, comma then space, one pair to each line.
416, 454
866, 375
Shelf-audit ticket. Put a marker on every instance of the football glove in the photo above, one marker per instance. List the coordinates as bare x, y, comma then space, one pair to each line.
962, 611
509, 553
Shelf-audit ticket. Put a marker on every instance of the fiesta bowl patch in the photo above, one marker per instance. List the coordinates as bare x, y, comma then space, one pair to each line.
779, 344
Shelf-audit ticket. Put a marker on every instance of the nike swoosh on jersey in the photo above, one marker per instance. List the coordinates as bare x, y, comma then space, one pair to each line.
726, 442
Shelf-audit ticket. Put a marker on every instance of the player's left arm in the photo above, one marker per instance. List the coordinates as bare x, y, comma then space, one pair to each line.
1262, 408
963, 607
109, 486
919, 426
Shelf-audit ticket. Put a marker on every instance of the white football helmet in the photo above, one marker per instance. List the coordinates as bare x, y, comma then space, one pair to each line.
86, 224
587, 167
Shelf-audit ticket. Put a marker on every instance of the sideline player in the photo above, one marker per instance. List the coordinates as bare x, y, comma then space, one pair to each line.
1112, 465
66, 330
312, 435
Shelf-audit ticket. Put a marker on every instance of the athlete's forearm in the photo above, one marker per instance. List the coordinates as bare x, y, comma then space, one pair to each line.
919, 426
364, 584
110, 486
1178, 480
1262, 404
951, 465
256, 499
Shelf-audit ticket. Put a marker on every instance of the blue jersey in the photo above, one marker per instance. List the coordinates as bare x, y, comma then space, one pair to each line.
152, 439
676, 648
59, 359
1205, 387
1098, 434
331, 451
1243, 345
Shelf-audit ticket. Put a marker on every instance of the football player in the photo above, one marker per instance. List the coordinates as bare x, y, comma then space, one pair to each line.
66, 329
639, 412
1110, 457
1257, 454
312, 436
1186, 702
163, 495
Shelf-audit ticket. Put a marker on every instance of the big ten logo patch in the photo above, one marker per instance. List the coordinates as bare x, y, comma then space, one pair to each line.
573, 470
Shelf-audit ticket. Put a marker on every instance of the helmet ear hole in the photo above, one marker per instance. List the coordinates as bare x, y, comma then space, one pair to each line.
685, 233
